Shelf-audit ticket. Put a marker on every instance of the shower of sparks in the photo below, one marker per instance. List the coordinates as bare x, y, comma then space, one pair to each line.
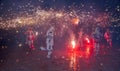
42, 17
62, 20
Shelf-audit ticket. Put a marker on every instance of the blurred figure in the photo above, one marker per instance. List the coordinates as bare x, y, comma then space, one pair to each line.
107, 36
49, 41
80, 40
30, 38
97, 36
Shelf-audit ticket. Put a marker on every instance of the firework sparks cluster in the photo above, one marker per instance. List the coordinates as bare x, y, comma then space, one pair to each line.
60, 19
43, 17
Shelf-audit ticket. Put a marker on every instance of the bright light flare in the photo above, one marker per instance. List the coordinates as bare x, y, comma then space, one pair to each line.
73, 43
87, 39
36, 33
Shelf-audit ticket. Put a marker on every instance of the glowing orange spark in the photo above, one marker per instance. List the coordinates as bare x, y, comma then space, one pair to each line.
75, 21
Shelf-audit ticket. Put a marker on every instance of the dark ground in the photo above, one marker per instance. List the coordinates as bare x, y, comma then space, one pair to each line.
16, 56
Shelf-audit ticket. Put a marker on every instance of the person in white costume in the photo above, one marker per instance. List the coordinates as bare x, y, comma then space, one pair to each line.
49, 41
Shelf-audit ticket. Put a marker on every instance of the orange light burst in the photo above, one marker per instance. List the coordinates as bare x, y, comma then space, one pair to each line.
75, 21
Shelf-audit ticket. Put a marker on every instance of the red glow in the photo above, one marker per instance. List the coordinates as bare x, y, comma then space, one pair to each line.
73, 60
87, 53
88, 50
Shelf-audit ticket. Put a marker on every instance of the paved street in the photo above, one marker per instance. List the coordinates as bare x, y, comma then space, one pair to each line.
23, 59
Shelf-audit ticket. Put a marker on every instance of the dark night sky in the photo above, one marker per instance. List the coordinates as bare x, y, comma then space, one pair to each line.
99, 4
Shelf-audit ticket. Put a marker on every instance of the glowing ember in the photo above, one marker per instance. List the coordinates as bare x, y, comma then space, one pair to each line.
75, 21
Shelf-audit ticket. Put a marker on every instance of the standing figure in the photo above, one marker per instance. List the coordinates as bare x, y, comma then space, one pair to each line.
49, 41
97, 36
80, 40
30, 38
107, 36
